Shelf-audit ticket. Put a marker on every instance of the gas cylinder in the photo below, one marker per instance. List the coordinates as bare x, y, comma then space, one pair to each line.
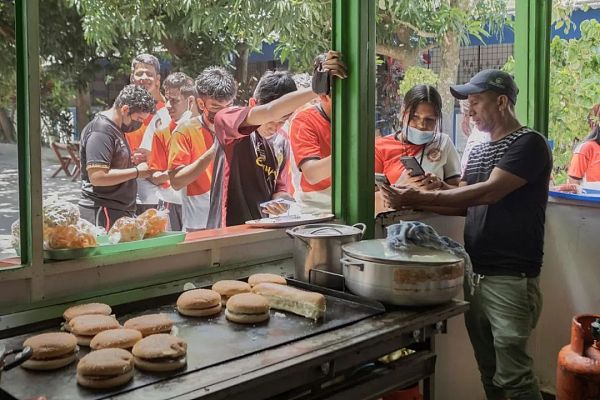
578, 367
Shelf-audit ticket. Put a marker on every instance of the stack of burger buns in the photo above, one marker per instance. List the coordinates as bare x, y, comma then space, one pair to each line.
105, 368
199, 303
86, 309
150, 324
51, 351
120, 338
255, 279
228, 288
159, 353
247, 308
85, 327
287, 298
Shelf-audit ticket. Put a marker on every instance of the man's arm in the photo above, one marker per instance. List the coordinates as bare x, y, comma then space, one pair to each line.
314, 171
100, 176
183, 176
499, 185
288, 103
277, 109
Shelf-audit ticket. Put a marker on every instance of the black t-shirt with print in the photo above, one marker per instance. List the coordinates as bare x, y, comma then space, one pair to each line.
104, 145
507, 238
247, 171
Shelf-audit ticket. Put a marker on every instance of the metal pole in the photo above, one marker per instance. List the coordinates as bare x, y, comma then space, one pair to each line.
28, 136
532, 61
354, 113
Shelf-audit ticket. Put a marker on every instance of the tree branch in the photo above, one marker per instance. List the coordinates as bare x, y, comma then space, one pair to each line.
406, 55
417, 30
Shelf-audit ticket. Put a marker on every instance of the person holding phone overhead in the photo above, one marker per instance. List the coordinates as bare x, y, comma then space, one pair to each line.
420, 137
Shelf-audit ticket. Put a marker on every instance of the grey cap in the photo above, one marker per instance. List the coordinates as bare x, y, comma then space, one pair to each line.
488, 79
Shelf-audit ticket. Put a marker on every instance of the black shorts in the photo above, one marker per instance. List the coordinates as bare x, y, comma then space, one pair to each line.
103, 216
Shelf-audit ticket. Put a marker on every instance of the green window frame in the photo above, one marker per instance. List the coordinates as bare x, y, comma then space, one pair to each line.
353, 123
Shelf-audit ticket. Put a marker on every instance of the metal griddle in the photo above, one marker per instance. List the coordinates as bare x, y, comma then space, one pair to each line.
211, 341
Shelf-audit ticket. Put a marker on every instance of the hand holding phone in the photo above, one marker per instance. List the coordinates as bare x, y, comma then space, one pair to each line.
411, 163
381, 179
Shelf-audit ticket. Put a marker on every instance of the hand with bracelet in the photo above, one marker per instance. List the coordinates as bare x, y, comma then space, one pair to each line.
143, 171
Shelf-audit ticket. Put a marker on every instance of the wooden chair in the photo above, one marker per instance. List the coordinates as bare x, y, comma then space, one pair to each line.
64, 160
73, 149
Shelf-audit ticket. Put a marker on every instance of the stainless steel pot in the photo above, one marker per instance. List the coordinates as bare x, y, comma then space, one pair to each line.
318, 249
417, 277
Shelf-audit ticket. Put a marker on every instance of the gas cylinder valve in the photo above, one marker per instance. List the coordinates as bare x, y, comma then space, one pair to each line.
596, 332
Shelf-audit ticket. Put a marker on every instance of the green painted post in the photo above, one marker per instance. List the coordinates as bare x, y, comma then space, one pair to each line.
532, 61
28, 128
354, 113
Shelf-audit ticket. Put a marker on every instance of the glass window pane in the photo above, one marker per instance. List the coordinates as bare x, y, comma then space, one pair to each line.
9, 175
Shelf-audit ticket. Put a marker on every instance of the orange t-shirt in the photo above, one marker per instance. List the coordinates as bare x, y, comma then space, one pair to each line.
388, 151
134, 139
189, 141
158, 160
310, 137
586, 162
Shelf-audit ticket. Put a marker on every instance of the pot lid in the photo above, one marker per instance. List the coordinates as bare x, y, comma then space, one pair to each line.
377, 250
325, 230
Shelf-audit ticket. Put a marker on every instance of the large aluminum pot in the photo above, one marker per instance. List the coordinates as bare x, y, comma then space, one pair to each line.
318, 249
417, 277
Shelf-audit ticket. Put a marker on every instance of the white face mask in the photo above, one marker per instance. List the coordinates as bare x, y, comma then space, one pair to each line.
186, 114
416, 136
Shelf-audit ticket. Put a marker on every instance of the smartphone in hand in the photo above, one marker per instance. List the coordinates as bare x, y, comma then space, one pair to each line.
381, 179
412, 164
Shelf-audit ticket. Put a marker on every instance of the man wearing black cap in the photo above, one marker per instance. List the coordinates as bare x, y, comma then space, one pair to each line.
503, 193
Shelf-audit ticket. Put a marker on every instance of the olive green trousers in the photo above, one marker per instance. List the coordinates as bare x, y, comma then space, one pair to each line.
503, 312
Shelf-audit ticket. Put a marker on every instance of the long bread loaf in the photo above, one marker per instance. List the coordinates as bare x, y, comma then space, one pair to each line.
287, 298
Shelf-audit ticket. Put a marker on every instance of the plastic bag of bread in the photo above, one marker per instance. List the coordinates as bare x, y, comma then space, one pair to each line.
15, 232
127, 229
75, 236
156, 221
60, 213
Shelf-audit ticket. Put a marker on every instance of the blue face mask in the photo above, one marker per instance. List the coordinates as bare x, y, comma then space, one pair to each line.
416, 136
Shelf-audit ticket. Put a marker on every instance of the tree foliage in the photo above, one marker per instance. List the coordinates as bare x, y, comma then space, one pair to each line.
417, 76
574, 89
76, 34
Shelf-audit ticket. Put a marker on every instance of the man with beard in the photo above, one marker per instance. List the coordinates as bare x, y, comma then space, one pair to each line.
108, 188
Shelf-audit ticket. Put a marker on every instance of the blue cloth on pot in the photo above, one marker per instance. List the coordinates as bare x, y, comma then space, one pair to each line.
405, 234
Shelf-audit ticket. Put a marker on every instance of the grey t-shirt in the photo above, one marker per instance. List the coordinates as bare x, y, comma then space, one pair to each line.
104, 145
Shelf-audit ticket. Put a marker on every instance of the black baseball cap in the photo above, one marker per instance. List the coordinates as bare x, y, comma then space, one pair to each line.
488, 79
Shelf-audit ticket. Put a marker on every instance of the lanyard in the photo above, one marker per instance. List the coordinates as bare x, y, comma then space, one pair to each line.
423, 147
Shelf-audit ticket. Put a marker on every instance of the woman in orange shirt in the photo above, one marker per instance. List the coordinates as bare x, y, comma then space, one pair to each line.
585, 163
419, 137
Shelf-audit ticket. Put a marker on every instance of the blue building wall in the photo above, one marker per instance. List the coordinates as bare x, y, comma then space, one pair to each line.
507, 36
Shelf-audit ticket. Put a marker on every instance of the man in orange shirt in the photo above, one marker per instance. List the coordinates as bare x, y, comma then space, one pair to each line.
180, 94
145, 72
310, 137
191, 150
